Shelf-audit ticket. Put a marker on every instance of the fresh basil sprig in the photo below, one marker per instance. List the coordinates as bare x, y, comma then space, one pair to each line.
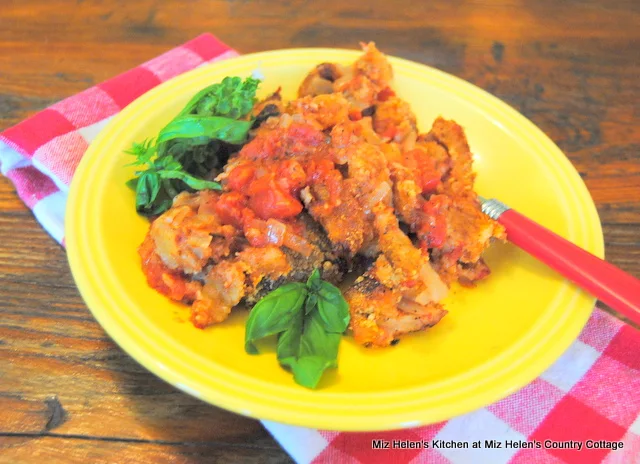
231, 98
309, 320
274, 313
187, 149
202, 128
153, 185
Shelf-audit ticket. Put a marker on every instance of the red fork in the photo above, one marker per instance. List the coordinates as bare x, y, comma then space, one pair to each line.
611, 285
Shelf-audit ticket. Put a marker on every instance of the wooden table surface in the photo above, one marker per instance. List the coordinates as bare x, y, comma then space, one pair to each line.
67, 392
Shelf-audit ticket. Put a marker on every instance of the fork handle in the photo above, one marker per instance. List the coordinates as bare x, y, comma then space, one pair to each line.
609, 284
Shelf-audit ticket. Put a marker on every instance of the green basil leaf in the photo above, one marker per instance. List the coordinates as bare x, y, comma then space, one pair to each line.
147, 189
132, 183
289, 341
308, 342
193, 182
310, 304
316, 341
308, 370
274, 313
143, 194
191, 105
215, 127
169, 188
158, 207
333, 309
168, 163
318, 352
313, 282
142, 151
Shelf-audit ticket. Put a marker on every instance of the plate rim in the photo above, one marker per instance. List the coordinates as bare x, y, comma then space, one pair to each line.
327, 422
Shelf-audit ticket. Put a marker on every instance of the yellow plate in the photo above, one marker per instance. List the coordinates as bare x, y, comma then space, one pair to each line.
495, 339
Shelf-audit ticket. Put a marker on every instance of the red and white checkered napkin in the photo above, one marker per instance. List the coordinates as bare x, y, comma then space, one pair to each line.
591, 393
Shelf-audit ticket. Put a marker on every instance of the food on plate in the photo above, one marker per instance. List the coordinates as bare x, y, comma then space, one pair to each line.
275, 203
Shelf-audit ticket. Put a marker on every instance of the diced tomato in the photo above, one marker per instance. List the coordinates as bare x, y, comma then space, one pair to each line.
433, 231
385, 94
229, 208
433, 226
355, 115
273, 202
389, 132
291, 176
267, 145
430, 181
240, 177
263, 182
317, 169
428, 176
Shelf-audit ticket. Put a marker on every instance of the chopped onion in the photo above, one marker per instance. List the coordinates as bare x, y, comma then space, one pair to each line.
378, 195
285, 120
368, 133
305, 196
344, 79
275, 232
198, 241
410, 306
435, 288
409, 142
317, 86
298, 244
254, 227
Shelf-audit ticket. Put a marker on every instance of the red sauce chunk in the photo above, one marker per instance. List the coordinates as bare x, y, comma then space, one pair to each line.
432, 231
273, 202
229, 208
279, 164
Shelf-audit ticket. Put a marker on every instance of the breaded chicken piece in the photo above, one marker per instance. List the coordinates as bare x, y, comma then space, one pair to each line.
394, 120
324, 110
452, 137
359, 83
376, 317
469, 231
227, 283
188, 235
402, 266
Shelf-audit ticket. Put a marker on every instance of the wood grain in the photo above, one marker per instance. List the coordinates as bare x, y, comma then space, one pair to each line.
67, 392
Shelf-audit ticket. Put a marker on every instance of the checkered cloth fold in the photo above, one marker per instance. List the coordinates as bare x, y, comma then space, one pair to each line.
591, 393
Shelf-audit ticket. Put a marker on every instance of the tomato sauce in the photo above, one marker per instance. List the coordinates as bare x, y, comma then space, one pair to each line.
432, 228
271, 172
